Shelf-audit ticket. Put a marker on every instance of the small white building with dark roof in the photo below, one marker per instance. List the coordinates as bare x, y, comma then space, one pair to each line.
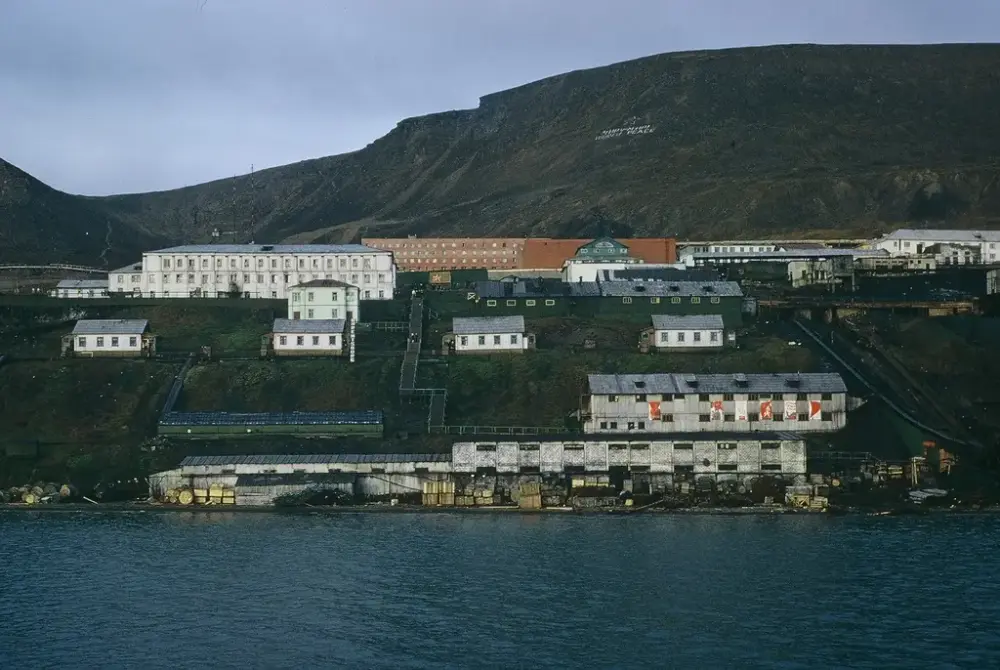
488, 334
677, 332
309, 337
110, 337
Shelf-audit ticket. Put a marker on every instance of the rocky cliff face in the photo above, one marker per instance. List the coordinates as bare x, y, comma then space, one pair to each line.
748, 142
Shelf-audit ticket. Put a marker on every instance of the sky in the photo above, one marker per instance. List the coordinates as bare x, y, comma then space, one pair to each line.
118, 96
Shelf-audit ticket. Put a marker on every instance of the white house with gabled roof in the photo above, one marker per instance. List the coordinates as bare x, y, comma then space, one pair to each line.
110, 337
686, 332
309, 337
488, 334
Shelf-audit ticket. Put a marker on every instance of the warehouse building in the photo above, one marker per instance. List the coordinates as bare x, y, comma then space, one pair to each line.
488, 335
255, 270
324, 299
946, 247
740, 403
80, 288
721, 457
123, 338
309, 337
227, 425
686, 333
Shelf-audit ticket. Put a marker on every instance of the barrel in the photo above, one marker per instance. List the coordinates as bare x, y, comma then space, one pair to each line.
185, 497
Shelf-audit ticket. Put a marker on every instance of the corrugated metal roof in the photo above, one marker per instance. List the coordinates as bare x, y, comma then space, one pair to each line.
270, 249
309, 326
359, 417
793, 382
966, 236
83, 283
682, 289
487, 325
534, 288
788, 254
691, 322
110, 327
644, 273
313, 459
324, 283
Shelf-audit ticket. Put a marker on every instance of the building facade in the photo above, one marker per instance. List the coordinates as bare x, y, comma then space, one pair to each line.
506, 253
947, 247
125, 338
80, 288
740, 403
595, 257
488, 335
309, 337
324, 299
694, 332
255, 270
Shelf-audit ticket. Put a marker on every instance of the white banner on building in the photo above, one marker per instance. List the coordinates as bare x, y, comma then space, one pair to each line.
741, 410
791, 411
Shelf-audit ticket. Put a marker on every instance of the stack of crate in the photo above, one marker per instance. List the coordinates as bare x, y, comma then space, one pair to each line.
484, 497
530, 495
220, 495
439, 494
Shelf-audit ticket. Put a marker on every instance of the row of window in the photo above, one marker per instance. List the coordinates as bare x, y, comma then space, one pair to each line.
365, 263
311, 313
481, 339
179, 278
81, 341
444, 245
311, 296
724, 446
713, 336
627, 300
752, 417
300, 340
678, 470
708, 397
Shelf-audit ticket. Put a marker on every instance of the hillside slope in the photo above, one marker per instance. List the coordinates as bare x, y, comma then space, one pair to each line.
811, 140
41, 225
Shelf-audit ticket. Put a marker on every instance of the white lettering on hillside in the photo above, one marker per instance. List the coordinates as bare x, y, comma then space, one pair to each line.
629, 128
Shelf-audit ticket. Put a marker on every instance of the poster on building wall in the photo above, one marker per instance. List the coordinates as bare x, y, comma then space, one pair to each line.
815, 410
765, 411
741, 410
654, 411
717, 413
791, 411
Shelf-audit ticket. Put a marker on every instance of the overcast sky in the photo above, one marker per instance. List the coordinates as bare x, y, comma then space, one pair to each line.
113, 96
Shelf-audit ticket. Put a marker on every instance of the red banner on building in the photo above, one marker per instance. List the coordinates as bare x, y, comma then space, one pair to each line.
815, 410
717, 414
654, 411
766, 414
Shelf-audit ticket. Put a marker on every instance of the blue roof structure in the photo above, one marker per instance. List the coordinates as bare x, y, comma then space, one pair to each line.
355, 418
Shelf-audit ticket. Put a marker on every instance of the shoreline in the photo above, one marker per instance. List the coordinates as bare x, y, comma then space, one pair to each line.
116, 508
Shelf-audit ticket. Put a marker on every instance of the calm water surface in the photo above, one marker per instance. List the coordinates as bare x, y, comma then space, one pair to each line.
225, 590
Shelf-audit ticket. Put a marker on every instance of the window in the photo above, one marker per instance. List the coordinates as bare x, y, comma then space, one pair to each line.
496, 340
613, 425
703, 397
631, 425
753, 396
779, 396
381, 294
612, 398
310, 295
513, 339
100, 341
727, 446
770, 445
464, 341
642, 425
627, 300
667, 418
166, 263
684, 446
675, 300
680, 336
778, 416
491, 303
368, 294
803, 417
697, 336
640, 397
315, 340
727, 467
654, 300
713, 336
482, 340
695, 300
704, 418
826, 416
133, 341
334, 312
300, 340
714, 300
529, 303
512, 303
550, 303
802, 396
679, 396
773, 467
753, 416
81, 342
827, 396
333, 340
663, 336
728, 417
604, 425
727, 396
309, 313
274, 294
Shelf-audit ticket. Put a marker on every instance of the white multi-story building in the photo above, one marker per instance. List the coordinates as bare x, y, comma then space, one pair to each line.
488, 334
715, 403
695, 331
324, 299
308, 337
80, 288
947, 247
255, 270
110, 337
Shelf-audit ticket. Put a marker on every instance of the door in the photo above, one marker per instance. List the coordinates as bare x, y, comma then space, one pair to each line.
296, 316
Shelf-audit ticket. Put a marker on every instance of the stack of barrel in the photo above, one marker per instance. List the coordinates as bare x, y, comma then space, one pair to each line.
530, 495
439, 494
215, 494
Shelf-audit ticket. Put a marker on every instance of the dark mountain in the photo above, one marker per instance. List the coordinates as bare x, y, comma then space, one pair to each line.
805, 140
41, 225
